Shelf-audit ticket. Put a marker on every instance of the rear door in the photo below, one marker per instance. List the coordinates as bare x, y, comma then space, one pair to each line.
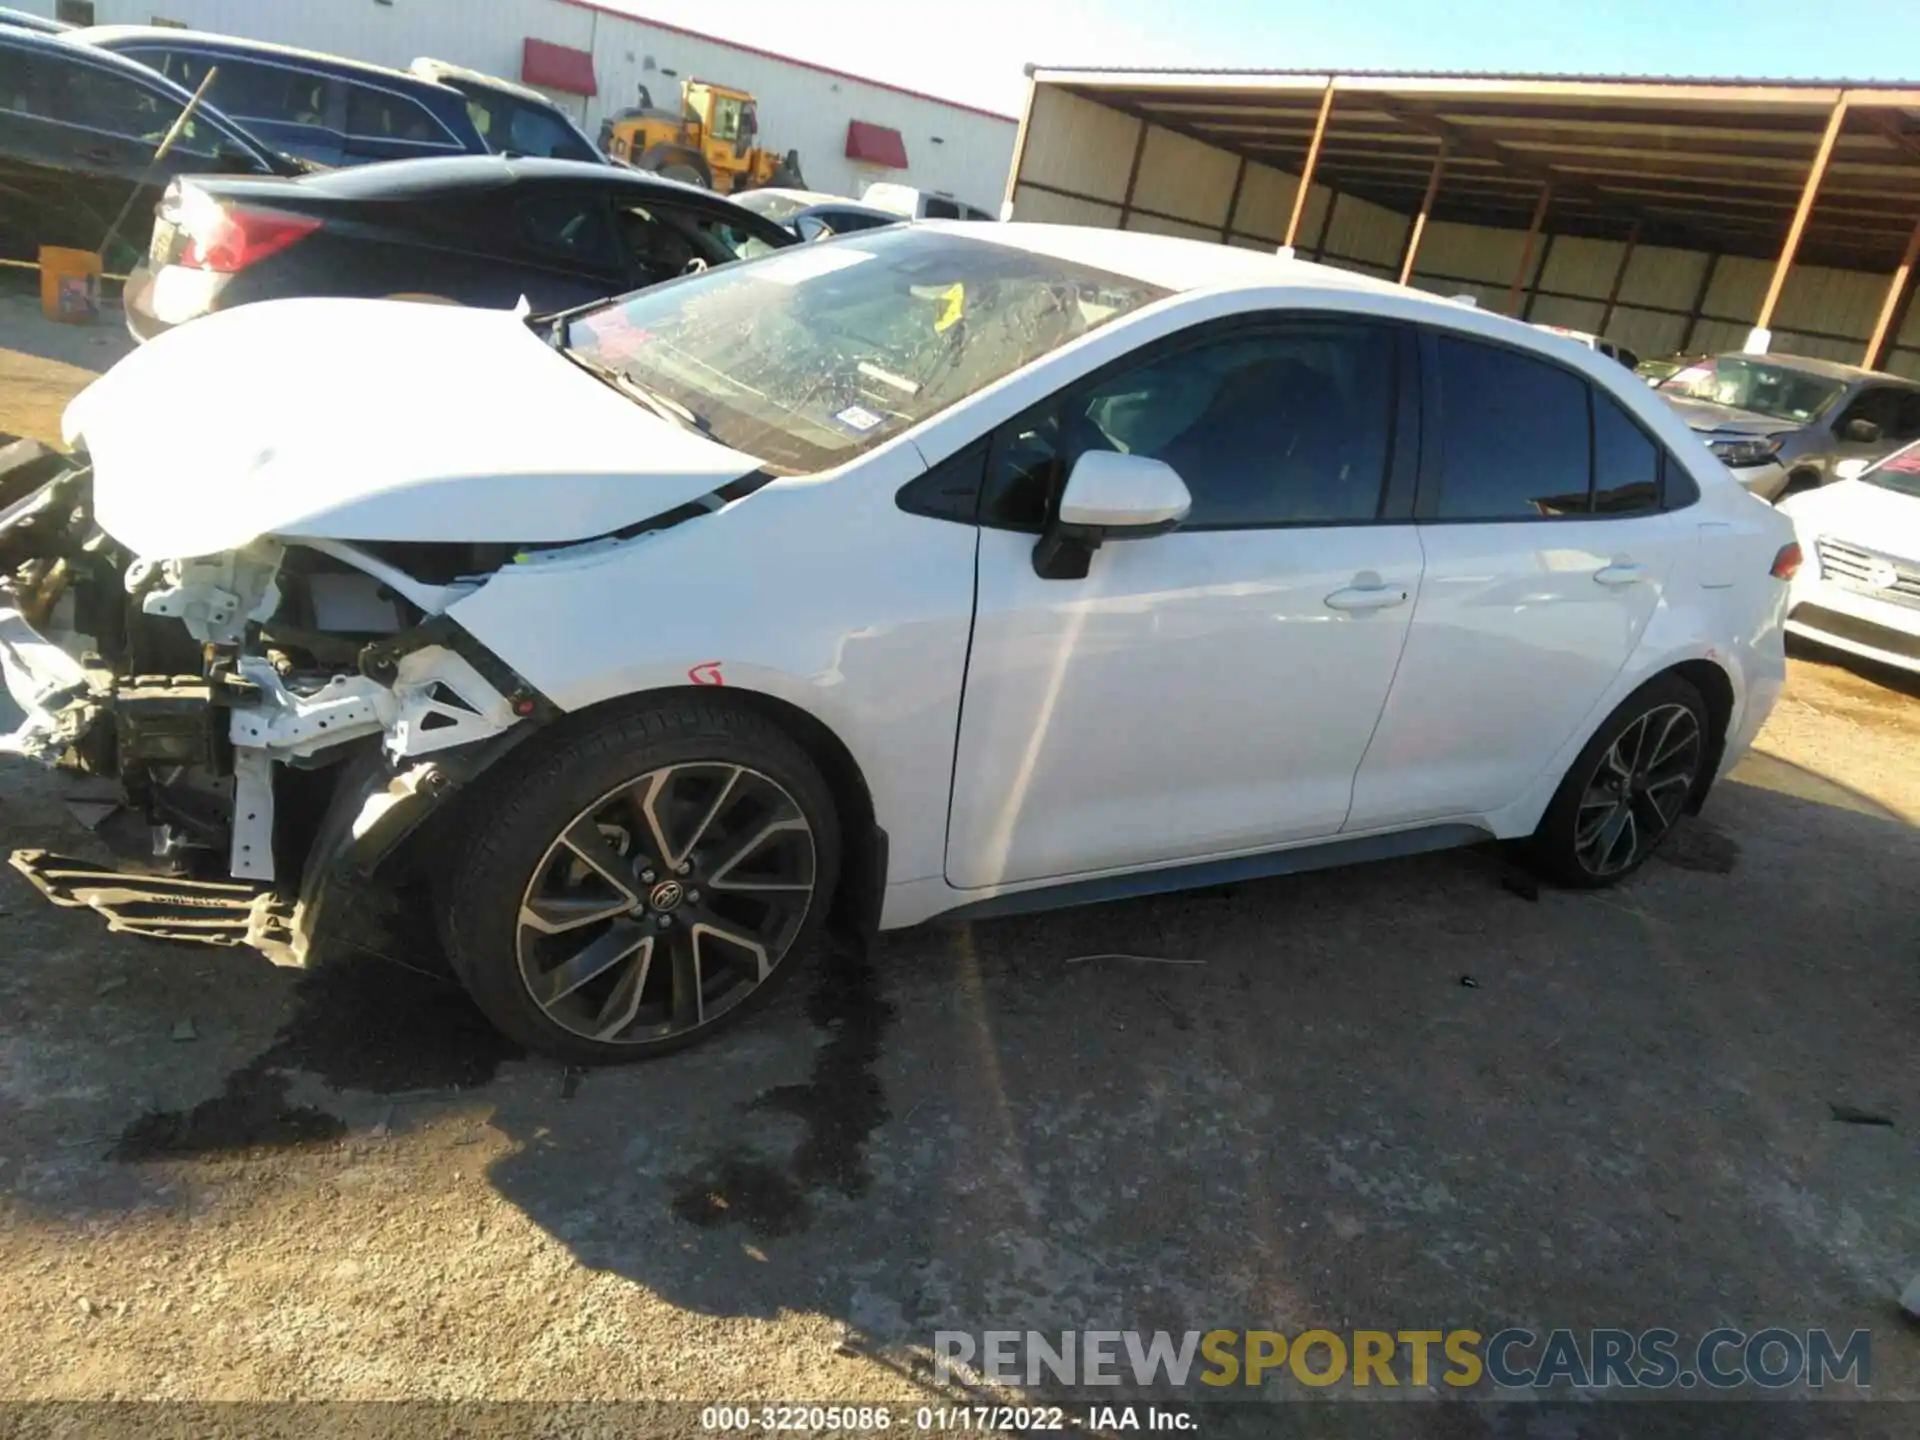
1547, 552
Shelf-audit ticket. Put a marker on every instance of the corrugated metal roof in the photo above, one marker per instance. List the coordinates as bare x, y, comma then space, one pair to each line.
1515, 76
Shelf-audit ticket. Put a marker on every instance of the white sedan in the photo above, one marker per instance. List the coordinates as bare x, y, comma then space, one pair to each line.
947, 569
1860, 588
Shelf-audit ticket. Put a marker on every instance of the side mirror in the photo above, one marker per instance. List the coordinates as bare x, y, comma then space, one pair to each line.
1108, 496
1864, 431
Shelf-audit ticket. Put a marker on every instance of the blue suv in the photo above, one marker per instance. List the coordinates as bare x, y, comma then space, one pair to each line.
321, 108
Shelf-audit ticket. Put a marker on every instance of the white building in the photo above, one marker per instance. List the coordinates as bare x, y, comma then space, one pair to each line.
593, 59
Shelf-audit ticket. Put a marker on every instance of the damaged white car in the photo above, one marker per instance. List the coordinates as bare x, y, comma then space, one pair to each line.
652, 637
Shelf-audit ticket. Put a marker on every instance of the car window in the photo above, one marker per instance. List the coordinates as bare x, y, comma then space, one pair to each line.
1877, 404
732, 241
1287, 427
570, 227
1779, 392
28, 83
1513, 435
511, 126
114, 103
1626, 462
374, 114
1907, 422
252, 89
934, 208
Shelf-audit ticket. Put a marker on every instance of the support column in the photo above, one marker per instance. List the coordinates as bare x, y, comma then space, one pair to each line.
1876, 347
1526, 249
1133, 175
1426, 208
1233, 203
1533, 286
1762, 336
1619, 278
1326, 224
1306, 170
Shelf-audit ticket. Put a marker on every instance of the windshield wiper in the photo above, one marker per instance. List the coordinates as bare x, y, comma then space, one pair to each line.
659, 404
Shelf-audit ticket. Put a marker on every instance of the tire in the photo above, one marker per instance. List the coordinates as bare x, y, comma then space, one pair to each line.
600, 817
1647, 795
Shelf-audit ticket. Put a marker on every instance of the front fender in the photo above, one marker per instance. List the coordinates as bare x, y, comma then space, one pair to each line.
819, 592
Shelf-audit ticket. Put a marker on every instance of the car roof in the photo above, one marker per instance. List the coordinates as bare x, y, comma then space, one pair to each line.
63, 43
107, 36
25, 21
1808, 365
1171, 262
427, 68
446, 174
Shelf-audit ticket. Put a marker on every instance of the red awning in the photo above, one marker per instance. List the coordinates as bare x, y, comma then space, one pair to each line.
876, 145
557, 67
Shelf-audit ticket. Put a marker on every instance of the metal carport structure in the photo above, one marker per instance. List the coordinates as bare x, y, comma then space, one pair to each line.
1668, 214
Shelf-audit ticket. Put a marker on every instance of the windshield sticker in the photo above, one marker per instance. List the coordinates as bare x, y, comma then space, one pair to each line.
806, 262
858, 419
954, 303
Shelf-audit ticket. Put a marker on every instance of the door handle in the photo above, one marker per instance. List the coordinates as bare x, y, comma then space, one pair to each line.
1367, 597
1620, 572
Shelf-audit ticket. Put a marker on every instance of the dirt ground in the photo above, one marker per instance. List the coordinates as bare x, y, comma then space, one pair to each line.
1404, 1095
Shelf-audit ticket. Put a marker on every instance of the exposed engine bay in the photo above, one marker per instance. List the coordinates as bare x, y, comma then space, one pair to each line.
273, 715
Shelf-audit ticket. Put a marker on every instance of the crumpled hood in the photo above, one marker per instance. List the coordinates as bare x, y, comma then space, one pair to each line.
373, 420
1711, 419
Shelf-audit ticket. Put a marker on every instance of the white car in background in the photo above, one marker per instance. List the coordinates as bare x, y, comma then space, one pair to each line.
942, 569
1859, 587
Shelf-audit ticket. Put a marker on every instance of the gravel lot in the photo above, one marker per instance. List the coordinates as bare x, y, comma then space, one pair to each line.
343, 1186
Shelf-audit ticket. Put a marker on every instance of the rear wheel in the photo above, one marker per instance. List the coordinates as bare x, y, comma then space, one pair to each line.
1627, 789
642, 886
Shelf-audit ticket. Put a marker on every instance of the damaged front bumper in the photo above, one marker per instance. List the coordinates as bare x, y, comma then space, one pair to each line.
246, 761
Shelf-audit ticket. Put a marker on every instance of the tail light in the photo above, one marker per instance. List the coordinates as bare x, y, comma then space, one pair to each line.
225, 238
1787, 563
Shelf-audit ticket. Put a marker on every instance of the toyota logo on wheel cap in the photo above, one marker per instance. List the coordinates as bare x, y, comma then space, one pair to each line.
666, 895
1881, 576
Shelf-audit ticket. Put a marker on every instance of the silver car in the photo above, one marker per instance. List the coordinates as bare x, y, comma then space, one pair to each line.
1783, 423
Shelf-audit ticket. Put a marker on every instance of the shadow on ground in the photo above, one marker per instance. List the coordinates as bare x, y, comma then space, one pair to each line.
1397, 1096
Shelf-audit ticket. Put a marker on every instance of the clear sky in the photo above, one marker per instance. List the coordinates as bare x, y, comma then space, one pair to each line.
973, 50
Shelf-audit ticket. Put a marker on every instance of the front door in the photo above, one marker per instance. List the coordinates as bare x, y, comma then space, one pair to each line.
1211, 690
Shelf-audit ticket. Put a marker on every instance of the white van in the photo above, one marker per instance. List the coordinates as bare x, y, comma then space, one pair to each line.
912, 204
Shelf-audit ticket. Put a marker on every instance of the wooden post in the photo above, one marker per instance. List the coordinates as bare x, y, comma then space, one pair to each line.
1526, 249
1619, 277
1699, 301
1835, 120
1891, 306
1426, 209
1313, 161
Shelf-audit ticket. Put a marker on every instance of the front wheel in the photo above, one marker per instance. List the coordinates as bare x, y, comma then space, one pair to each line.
1626, 790
642, 885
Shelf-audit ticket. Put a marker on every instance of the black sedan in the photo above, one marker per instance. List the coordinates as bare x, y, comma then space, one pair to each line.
78, 132
469, 230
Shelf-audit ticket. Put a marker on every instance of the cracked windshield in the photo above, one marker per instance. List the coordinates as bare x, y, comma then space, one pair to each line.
810, 357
